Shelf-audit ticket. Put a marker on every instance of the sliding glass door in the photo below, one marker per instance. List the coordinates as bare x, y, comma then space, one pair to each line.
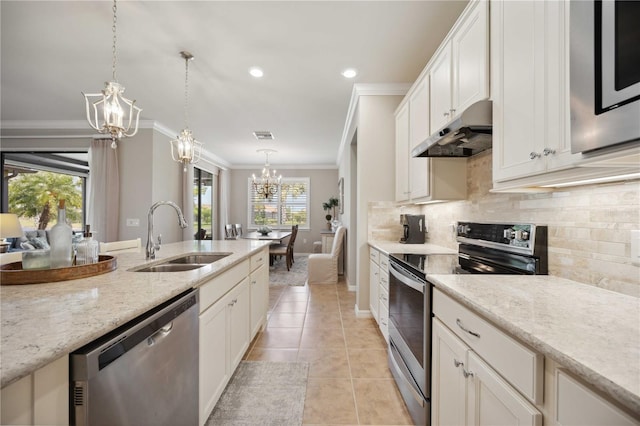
204, 187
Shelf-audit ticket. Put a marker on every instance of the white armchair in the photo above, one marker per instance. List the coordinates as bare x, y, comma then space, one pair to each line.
323, 267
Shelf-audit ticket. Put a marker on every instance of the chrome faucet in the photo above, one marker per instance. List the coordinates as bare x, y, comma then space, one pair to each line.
151, 246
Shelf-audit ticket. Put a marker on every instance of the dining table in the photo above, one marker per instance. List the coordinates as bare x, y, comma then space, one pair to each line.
275, 237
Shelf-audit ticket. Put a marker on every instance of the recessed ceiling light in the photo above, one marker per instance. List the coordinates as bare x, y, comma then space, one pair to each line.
349, 73
256, 72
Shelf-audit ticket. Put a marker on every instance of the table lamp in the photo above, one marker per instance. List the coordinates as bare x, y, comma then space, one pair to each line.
9, 228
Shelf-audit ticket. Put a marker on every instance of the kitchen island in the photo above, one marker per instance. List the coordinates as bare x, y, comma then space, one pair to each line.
43, 322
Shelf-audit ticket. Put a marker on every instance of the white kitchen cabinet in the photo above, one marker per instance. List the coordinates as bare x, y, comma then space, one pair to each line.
440, 101
419, 111
224, 332
402, 153
577, 405
449, 386
374, 283
460, 70
467, 389
383, 295
39, 398
492, 401
259, 279
529, 65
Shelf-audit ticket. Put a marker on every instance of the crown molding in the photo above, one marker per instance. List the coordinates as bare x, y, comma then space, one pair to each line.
382, 89
286, 166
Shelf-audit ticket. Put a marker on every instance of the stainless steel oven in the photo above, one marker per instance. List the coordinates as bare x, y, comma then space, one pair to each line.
604, 76
484, 248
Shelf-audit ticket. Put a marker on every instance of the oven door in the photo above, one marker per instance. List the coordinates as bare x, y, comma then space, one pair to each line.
605, 77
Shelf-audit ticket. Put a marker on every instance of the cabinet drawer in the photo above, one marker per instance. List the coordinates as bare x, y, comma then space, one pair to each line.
519, 365
384, 321
383, 298
384, 279
258, 260
374, 255
218, 286
384, 263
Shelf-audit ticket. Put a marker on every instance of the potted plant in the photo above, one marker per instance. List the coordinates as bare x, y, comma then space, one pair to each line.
330, 206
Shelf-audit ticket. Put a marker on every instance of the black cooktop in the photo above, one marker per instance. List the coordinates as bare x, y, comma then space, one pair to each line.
428, 263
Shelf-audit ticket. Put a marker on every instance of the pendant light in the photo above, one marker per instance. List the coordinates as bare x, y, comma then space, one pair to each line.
185, 149
268, 183
110, 112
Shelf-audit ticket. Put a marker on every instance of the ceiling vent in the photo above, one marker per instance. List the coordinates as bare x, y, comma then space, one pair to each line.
263, 135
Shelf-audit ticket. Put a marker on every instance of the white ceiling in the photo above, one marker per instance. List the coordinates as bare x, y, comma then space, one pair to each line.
52, 51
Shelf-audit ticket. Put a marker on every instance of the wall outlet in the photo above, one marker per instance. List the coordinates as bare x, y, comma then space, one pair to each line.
635, 247
304, 241
133, 222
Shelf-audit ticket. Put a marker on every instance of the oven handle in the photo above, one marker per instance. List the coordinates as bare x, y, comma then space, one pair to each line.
416, 285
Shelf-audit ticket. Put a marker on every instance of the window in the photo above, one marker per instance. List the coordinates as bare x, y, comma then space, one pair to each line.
289, 206
33, 182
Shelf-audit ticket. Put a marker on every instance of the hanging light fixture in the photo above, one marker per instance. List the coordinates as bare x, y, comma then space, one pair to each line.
185, 149
109, 111
267, 184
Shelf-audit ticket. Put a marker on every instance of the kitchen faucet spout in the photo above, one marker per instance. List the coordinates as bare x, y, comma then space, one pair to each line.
151, 245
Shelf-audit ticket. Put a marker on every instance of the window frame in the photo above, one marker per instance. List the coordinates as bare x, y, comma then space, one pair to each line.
285, 180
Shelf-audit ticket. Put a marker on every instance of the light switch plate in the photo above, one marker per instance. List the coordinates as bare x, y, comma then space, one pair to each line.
133, 222
635, 247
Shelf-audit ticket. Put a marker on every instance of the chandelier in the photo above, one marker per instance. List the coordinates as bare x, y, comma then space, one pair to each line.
185, 149
109, 112
267, 184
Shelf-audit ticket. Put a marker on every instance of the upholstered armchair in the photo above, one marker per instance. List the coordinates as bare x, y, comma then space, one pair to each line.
323, 267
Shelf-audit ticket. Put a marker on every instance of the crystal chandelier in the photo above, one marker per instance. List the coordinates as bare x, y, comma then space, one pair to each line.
110, 112
185, 149
267, 184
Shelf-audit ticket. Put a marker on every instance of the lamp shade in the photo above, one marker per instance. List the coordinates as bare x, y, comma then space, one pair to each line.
10, 226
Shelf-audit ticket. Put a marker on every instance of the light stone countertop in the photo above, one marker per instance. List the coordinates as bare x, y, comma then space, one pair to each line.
393, 247
42, 322
592, 332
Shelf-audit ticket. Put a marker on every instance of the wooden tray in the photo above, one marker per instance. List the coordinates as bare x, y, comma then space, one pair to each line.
12, 273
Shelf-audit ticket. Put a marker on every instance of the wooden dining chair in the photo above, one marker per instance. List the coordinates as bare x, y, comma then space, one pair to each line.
285, 250
229, 233
238, 230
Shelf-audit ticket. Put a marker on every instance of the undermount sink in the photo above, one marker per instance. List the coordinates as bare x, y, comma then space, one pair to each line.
200, 258
185, 263
170, 267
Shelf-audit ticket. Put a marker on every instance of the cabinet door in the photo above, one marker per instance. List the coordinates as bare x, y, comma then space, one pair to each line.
470, 49
491, 401
448, 381
239, 328
214, 368
419, 112
402, 153
374, 282
440, 103
259, 298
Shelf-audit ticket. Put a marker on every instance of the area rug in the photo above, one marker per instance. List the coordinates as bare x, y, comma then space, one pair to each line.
263, 393
278, 274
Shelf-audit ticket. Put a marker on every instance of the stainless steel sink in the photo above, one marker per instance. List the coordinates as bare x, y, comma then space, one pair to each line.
170, 267
199, 258
184, 263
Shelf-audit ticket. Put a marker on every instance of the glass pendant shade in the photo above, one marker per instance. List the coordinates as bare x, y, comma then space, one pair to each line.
185, 149
268, 183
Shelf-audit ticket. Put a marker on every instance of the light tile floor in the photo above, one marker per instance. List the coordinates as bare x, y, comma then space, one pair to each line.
349, 380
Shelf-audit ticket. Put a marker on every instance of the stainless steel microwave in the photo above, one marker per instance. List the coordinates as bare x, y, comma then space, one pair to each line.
604, 73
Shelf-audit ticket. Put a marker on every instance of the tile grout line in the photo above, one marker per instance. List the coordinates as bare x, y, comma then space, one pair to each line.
346, 348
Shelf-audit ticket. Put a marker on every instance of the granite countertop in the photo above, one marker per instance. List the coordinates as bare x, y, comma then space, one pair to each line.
592, 332
42, 322
393, 247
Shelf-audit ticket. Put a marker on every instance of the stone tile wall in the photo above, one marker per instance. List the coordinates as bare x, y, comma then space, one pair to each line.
589, 226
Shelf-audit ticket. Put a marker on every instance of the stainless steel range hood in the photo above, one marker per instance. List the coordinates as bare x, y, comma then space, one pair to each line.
468, 134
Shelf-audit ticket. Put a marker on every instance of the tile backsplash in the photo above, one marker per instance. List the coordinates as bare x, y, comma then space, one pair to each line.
589, 226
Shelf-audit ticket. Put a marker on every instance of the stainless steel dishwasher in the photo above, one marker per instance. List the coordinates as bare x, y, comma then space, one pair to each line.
143, 373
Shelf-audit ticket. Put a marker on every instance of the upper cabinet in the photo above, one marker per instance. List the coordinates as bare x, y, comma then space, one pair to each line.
460, 69
530, 88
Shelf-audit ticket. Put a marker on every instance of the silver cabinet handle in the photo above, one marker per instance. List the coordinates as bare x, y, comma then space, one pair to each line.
253, 282
453, 111
446, 114
547, 151
457, 363
233, 302
473, 333
534, 155
467, 373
